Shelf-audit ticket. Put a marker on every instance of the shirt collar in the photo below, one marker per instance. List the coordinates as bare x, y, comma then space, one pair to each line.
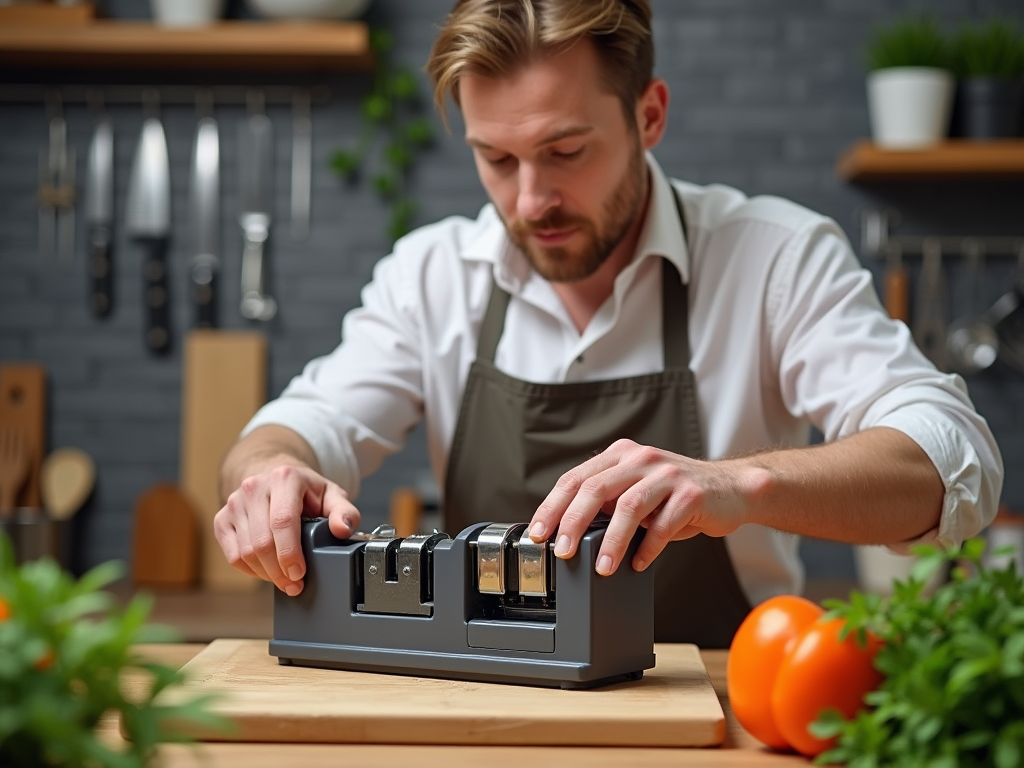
661, 235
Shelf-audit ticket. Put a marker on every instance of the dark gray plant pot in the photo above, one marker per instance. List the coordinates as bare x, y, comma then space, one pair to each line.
991, 108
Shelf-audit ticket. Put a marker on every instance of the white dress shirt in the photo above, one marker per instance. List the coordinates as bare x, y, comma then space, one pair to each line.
786, 331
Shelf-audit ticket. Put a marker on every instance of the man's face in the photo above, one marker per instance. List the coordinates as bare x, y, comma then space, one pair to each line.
558, 160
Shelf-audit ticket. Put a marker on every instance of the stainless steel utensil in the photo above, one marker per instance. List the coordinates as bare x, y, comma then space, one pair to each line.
148, 220
57, 193
1006, 316
99, 215
930, 310
256, 148
302, 162
972, 344
204, 218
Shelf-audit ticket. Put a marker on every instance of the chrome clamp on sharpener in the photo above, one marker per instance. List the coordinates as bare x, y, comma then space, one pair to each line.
489, 605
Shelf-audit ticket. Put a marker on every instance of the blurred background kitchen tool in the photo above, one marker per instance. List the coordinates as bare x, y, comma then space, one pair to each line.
930, 310
302, 163
1006, 316
255, 145
99, 215
972, 344
165, 550
897, 284
66, 480
204, 216
57, 191
148, 220
23, 406
14, 465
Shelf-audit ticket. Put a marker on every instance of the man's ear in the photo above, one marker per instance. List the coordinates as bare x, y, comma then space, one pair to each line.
652, 113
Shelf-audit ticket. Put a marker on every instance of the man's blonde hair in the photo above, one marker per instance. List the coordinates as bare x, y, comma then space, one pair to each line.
496, 37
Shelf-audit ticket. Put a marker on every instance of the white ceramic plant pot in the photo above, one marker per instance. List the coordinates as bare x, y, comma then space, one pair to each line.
879, 567
309, 9
187, 13
909, 107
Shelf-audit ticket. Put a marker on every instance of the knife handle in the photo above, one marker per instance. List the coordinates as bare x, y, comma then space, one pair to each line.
101, 275
204, 290
157, 299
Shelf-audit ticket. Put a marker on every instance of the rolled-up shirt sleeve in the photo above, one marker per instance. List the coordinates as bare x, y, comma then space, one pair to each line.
846, 366
358, 404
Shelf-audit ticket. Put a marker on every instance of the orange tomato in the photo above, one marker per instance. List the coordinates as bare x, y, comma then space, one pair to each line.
821, 672
45, 661
761, 643
5, 610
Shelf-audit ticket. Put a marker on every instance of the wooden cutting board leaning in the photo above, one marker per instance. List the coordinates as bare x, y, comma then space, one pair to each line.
224, 385
23, 408
674, 705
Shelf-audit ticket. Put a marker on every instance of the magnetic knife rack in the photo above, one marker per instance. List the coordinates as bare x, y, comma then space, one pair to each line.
876, 242
226, 95
488, 605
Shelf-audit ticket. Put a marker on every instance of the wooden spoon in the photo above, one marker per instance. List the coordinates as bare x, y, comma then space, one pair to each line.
66, 480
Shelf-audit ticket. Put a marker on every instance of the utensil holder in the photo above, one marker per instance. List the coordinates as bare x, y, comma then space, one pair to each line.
35, 536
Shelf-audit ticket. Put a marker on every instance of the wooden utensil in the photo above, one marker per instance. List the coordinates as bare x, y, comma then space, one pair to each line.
67, 479
14, 461
224, 385
405, 511
897, 284
165, 550
674, 705
23, 405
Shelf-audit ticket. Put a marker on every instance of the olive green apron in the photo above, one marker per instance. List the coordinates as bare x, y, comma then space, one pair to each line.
515, 438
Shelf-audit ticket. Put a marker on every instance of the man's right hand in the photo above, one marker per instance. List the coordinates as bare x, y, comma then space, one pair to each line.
259, 527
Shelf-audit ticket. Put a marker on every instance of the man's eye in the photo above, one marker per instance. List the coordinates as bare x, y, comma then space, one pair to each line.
502, 160
569, 155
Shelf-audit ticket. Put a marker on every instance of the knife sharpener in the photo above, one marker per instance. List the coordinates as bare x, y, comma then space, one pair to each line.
488, 605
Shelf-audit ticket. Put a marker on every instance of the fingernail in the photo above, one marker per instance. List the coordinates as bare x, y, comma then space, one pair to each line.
604, 565
295, 573
538, 531
293, 589
562, 546
639, 565
348, 522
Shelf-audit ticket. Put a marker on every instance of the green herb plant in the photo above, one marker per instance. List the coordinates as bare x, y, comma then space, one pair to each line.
389, 116
994, 49
953, 661
909, 42
66, 648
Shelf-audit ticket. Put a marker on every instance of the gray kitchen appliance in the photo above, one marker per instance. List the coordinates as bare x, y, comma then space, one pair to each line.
488, 605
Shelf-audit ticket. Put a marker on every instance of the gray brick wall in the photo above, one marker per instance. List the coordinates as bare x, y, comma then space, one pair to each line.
765, 94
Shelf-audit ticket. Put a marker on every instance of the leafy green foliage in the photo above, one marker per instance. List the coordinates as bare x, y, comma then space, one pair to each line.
909, 42
994, 49
64, 648
953, 693
389, 115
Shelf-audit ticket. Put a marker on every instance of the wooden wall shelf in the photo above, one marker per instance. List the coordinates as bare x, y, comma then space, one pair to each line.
238, 45
1003, 158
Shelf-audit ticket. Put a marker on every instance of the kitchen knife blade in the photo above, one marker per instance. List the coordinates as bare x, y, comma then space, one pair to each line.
256, 142
148, 220
99, 216
204, 215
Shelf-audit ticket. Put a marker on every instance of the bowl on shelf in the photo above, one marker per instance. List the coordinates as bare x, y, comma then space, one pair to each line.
187, 13
309, 9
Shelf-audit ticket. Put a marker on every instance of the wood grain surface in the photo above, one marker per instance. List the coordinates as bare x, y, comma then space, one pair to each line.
673, 705
225, 383
23, 407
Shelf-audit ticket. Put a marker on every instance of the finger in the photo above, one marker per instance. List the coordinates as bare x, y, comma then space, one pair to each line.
637, 504
549, 514
594, 493
246, 551
673, 522
224, 531
278, 542
332, 502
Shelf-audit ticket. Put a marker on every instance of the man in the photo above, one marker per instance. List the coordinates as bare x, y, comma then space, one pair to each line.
603, 339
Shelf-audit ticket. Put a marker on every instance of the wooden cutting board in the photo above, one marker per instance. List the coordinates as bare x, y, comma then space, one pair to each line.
23, 406
674, 705
225, 383
165, 543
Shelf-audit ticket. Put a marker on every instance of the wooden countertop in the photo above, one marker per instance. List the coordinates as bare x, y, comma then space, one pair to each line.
739, 749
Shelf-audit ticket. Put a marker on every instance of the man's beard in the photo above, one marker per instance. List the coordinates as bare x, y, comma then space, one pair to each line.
562, 265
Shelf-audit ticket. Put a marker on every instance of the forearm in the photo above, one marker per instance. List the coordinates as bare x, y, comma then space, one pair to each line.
875, 487
263, 449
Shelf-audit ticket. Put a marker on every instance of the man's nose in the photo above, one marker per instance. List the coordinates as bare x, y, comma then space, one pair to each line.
536, 193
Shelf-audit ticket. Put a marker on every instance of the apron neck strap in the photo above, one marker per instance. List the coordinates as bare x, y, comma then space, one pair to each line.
674, 306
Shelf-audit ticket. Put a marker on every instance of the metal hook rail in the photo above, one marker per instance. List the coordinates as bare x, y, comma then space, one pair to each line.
228, 95
877, 243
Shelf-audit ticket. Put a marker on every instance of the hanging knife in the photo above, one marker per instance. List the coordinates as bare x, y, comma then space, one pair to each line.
148, 220
256, 145
99, 216
204, 214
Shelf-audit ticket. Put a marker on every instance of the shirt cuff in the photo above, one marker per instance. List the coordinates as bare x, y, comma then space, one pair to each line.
315, 425
964, 502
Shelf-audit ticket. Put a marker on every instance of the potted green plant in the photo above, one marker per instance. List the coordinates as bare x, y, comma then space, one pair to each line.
989, 62
910, 85
65, 650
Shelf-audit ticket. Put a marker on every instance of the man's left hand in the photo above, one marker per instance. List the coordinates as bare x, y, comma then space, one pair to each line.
674, 497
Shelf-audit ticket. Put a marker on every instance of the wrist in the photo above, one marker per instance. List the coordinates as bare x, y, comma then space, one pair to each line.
755, 483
